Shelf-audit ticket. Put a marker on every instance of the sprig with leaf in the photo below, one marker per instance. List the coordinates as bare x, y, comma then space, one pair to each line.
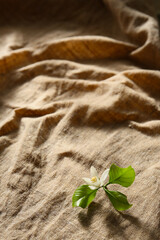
85, 194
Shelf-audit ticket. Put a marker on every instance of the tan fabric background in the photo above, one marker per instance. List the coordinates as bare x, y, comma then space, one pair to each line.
79, 86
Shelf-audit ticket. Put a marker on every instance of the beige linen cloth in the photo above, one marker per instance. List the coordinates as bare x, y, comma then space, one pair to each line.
79, 86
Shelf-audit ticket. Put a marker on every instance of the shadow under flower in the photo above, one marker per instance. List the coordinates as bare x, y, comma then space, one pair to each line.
117, 222
113, 224
151, 234
85, 219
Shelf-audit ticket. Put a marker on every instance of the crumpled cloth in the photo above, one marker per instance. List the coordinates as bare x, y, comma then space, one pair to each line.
79, 86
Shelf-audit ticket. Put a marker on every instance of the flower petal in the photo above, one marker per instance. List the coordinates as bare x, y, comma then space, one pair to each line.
88, 181
97, 183
93, 172
104, 176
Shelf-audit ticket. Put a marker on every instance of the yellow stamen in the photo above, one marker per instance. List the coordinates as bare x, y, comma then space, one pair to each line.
94, 179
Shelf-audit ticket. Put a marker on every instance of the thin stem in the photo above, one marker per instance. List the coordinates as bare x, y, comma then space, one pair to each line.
99, 187
104, 186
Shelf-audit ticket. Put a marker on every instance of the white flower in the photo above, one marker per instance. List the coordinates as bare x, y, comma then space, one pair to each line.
95, 181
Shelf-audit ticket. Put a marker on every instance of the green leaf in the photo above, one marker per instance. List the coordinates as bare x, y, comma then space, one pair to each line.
83, 196
118, 199
122, 176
